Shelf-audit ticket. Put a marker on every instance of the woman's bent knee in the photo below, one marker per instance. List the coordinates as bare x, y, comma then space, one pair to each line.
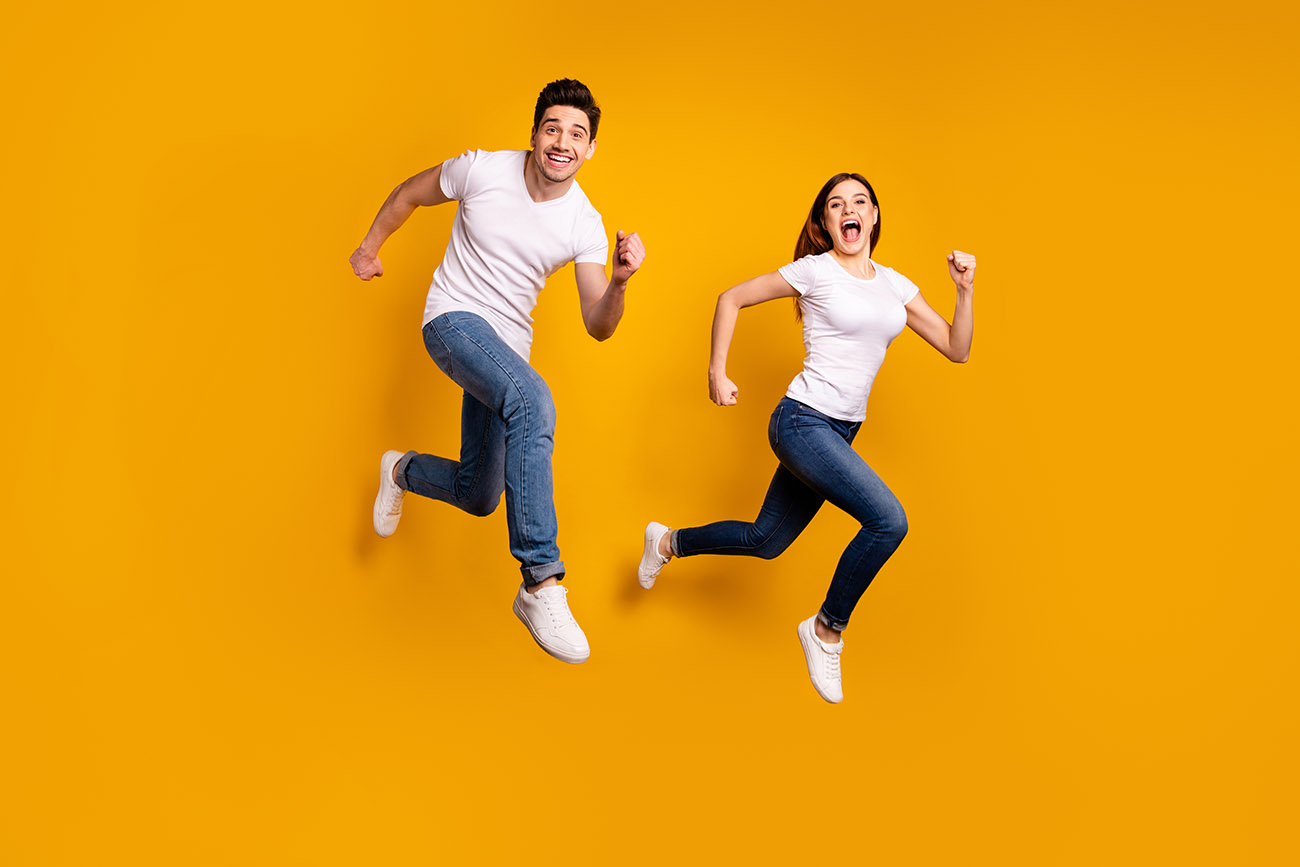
770, 547
894, 525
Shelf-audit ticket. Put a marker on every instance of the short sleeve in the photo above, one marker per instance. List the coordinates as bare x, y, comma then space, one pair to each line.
801, 274
454, 179
594, 244
905, 289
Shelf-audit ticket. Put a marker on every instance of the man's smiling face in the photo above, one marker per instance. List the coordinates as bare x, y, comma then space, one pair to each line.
562, 142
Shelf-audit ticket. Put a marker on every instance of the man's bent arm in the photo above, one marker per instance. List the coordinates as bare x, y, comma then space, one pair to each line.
422, 189
602, 302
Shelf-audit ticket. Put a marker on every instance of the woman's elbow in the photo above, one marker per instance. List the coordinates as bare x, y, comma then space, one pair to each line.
729, 300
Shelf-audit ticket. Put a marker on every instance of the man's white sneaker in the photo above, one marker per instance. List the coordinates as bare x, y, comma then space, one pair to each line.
546, 614
651, 561
388, 502
823, 662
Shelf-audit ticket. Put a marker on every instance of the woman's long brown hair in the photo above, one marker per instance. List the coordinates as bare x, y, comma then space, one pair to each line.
814, 239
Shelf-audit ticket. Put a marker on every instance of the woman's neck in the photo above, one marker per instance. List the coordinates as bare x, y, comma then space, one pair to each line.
857, 264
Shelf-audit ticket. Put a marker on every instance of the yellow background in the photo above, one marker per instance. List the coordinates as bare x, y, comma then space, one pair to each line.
1083, 653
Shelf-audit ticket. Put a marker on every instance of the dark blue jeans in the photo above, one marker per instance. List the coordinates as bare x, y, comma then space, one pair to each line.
818, 463
507, 434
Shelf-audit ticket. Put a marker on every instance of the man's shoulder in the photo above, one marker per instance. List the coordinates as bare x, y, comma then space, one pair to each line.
578, 196
487, 159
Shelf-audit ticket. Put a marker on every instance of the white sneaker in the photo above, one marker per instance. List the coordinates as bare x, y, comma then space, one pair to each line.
823, 662
388, 502
546, 614
651, 561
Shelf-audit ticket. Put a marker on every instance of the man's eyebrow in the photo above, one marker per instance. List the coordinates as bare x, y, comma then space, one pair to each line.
558, 122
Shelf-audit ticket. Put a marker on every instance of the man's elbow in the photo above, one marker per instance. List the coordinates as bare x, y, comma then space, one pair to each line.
600, 331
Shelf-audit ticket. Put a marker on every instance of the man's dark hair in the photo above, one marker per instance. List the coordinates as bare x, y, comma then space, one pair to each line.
570, 92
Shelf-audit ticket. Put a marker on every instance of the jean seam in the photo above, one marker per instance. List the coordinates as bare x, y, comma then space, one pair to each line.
821, 455
523, 394
482, 453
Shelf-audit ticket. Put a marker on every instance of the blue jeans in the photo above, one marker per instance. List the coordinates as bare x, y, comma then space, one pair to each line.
507, 434
817, 464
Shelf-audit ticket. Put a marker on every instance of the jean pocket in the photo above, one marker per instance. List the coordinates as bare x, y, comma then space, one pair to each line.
774, 426
437, 347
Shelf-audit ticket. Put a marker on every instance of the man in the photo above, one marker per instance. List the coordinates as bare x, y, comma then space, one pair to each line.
521, 217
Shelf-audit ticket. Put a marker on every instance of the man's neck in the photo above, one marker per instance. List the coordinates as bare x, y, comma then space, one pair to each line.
539, 188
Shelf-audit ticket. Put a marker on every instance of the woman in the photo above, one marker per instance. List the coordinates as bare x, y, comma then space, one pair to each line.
851, 309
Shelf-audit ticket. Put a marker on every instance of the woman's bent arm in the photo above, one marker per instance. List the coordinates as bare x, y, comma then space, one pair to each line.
954, 340
722, 390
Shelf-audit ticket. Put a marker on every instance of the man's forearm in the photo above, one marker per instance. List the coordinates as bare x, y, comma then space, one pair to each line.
607, 312
395, 211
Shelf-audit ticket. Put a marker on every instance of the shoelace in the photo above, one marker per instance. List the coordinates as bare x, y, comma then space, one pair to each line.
393, 500
833, 664
557, 607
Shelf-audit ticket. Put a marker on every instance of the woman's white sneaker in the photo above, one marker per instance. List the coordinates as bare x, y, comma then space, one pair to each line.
823, 662
651, 561
388, 502
546, 614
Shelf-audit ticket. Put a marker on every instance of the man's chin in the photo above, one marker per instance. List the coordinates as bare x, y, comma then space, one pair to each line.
554, 177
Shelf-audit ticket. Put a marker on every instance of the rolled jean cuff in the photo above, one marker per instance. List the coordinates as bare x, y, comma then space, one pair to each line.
672, 543
830, 622
399, 471
534, 575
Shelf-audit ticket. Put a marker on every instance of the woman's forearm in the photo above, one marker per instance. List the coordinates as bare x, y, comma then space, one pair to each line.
963, 326
724, 326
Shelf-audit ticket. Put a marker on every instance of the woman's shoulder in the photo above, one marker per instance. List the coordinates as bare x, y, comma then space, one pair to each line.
806, 273
903, 287
813, 263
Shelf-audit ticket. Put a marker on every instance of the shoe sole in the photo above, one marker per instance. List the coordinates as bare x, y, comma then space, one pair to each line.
379, 499
806, 642
649, 550
572, 659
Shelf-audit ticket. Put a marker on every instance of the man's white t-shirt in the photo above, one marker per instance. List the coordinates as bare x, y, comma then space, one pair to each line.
848, 323
504, 245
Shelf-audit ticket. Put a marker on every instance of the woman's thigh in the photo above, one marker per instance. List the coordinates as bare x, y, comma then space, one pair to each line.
818, 451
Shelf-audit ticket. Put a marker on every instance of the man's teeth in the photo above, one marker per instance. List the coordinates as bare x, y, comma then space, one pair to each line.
561, 159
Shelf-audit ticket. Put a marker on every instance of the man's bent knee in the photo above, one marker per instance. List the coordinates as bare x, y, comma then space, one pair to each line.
534, 412
482, 505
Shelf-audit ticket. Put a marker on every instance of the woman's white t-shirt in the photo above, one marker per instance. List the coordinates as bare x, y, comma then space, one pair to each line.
848, 323
504, 245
